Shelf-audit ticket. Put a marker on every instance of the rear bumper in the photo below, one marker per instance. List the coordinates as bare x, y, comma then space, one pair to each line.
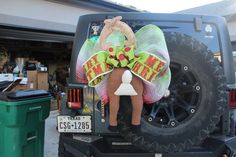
86, 146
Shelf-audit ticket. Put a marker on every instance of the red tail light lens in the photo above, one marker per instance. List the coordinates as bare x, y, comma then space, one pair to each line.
75, 98
232, 93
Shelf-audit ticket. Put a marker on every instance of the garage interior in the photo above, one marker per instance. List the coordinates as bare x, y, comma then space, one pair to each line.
46, 58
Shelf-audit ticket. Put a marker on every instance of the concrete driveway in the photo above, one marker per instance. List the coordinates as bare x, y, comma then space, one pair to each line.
51, 136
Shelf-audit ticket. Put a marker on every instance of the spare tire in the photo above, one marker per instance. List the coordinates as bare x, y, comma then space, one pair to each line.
197, 98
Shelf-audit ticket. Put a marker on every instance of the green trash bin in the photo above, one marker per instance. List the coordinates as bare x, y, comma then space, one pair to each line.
22, 123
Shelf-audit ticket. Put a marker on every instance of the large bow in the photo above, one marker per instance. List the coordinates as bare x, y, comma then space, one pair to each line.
145, 65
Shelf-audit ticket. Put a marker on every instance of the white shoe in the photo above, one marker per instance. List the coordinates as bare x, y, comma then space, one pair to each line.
126, 88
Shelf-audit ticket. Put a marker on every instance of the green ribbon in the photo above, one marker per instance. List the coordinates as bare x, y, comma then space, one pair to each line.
144, 65
120, 57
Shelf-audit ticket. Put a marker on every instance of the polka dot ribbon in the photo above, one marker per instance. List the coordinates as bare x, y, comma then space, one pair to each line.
121, 57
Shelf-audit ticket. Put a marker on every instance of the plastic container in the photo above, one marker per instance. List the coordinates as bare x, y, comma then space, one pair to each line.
22, 123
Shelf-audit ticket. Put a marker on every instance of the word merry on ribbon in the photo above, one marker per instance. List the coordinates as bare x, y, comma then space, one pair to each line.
148, 66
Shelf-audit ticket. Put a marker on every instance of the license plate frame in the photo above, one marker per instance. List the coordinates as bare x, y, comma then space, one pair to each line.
77, 124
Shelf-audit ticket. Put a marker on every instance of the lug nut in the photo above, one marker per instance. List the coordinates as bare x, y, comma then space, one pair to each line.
192, 110
185, 68
172, 123
150, 119
197, 88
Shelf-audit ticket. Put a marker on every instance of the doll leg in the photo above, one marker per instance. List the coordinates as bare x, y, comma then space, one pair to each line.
114, 108
114, 81
137, 101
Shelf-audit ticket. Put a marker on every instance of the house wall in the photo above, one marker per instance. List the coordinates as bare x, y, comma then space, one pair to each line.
42, 14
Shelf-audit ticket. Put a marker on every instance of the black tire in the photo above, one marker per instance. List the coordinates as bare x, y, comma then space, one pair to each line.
61, 148
199, 83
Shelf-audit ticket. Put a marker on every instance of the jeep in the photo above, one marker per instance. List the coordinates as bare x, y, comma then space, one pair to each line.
195, 119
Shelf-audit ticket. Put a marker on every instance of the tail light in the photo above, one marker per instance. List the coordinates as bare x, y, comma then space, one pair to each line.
75, 98
232, 93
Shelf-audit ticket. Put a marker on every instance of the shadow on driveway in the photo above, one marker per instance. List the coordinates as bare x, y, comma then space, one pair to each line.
51, 136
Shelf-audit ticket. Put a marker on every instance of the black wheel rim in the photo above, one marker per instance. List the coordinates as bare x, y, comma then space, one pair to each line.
182, 103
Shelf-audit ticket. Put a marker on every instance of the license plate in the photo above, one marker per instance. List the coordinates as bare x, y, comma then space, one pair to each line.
77, 124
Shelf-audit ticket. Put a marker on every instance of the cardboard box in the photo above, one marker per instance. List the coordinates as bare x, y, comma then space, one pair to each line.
20, 87
32, 75
32, 79
42, 80
37, 80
